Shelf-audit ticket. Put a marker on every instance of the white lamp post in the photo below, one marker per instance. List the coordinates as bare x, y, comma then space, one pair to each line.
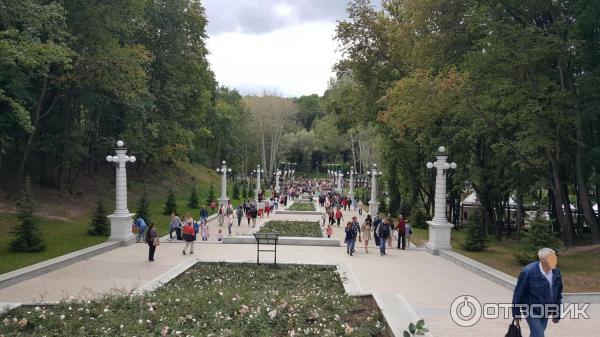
340, 181
121, 219
277, 175
223, 201
373, 203
258, 171
351, 192
439, 227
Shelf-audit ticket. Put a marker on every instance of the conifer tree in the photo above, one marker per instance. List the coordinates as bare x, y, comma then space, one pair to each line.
193, 202
99, 225
143, 210
476, 240
171, 203
211, 194
27, 236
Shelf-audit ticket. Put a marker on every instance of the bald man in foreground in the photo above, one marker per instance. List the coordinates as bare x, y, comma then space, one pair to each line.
538, 293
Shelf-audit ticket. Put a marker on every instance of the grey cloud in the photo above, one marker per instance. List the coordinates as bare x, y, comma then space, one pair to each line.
255, 17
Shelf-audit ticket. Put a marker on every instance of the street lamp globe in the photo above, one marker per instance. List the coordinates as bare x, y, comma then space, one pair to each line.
109, 159
453, 166
442, 149
120, 143
429, 165
132, 159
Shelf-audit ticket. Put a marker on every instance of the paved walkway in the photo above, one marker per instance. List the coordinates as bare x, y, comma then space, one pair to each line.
429, 283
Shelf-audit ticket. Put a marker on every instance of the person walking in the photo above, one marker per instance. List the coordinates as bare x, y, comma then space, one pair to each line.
401, 228
229, 223
254, 215
376, 222
203, 213
152, 241
360, 207
350, 237
384, 231
240, 214
338, 216
356, 229
188, 236
204, 230
331, 216
329, 231
539, 289
174, 226
366, 232
221, 215
408, 230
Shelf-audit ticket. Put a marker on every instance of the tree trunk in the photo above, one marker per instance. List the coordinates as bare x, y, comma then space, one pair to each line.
565, 230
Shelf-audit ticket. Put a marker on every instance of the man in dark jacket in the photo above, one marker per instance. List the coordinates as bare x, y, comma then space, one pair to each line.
384, 230
538, 294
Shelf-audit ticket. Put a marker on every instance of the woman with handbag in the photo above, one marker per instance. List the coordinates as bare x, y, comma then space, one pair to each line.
152, 240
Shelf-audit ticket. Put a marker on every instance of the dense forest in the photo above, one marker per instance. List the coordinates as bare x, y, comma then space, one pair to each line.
511, 88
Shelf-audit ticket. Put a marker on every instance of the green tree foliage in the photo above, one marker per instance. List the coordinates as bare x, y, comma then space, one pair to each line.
309, 109
193, 201
418, 218
171, 203
539, 235
507, 87
143, 210
99, 224
236, 191
476, 240
244, 190
211, 194
28, 237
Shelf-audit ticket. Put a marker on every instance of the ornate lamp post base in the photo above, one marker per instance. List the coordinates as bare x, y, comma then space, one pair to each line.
120, 228
373, 208
439, 237
224, 202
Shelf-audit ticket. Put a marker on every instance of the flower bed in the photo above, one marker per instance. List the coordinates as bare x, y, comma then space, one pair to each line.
293, 228
213, 300
302, 206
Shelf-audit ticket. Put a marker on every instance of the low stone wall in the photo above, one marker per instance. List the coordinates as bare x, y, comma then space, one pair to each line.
285, 240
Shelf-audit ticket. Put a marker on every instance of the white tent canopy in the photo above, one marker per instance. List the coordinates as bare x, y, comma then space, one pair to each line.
472, 200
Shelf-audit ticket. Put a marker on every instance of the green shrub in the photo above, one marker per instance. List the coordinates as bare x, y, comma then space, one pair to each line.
236, 191
476, 240
539, 235
170, 204
27, 236
211, 194
302, 206
293, 228
419, 219
143, 210
99, 225
193, 202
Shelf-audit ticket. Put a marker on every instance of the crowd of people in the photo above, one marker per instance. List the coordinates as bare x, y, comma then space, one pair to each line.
381, 229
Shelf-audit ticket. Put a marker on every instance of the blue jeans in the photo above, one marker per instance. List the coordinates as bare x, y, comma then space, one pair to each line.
350, 247
537, 326
382, 244
141, 236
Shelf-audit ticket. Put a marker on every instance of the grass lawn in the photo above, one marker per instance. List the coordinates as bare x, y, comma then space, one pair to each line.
61, 238
214, 299
578, 265
302, 206
293, 228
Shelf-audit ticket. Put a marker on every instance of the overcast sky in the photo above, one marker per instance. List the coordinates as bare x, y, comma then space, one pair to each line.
284, 46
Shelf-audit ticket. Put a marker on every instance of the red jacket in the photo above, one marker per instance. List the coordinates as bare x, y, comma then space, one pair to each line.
338, 214
401, 225
188, 230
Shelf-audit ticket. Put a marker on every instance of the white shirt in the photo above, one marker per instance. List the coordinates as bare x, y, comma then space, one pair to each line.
547, 275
